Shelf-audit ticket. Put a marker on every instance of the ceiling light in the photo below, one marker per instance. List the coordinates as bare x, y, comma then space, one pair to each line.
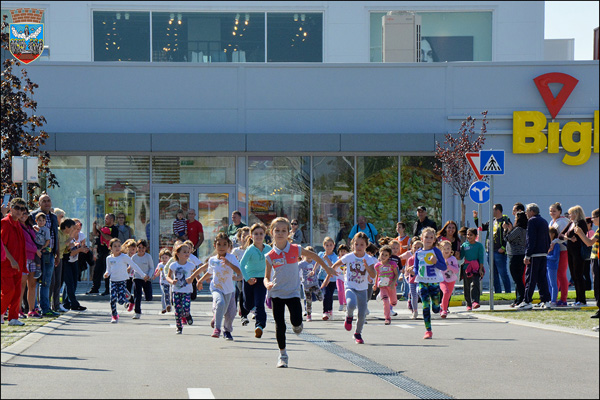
172, 16
295, 17
118, 15
179, 17
127, 16
302, 17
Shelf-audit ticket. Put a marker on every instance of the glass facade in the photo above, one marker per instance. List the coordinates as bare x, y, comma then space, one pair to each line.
445, 36
121, 36
326, 194
295, 37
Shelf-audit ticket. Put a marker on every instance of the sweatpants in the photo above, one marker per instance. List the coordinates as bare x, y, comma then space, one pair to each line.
357, 299
138, 286
118, 294
413, 299
182, 303
308, 292
166, 295
551, 275
389, 297
11, 295
294, 308
254, 296
446, 288
328, 300
472, 290
430, 297
224, 310
535, 275
341, 291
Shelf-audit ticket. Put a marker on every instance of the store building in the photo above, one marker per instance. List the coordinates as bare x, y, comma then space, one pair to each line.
292, 109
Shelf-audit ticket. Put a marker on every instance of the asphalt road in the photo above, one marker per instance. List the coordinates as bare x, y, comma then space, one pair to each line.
88, 357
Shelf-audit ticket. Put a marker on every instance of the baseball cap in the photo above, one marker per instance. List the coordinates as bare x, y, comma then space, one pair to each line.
421, 208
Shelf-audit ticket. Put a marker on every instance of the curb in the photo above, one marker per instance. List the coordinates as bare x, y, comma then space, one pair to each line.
33, 337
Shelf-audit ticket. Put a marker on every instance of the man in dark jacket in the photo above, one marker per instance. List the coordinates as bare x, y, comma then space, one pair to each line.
536, 251
49, 259
422, 222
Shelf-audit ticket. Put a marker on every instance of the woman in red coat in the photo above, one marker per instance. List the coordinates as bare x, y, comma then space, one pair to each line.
14, 242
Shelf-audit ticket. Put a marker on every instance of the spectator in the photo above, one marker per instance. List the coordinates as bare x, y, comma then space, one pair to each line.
28, 280
536, 251
516, 208
450, 232
14, 265
125, 231
103, 238
594, 255
236, 218
195, 231
560, 223
498, 248
366, 227
50, 259
423, 221
77, 246
57, 278
516, 242
586, 253
574, 251
297, 236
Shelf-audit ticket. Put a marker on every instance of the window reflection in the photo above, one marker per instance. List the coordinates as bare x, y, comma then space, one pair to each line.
121, 36
295, 37
208, 37
333, 198
421, 186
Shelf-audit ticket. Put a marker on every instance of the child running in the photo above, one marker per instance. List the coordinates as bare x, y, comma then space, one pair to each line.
450, 275
329, 284
386, 279
116, 269
146, 264
241, 236
310, 282
409, 276
222, 267
472, 269
181, 275
429, 264
129, 248
358, 264
165, 286
282, 280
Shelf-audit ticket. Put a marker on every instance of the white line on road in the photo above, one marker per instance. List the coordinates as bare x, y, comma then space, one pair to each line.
404, 326
200, 393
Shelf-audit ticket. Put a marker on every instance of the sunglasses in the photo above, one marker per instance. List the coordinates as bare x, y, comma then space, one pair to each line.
294, 223
19, 208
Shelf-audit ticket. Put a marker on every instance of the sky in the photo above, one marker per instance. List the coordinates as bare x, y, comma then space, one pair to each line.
573, 19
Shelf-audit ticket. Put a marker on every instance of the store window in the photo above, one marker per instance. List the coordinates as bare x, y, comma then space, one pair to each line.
121, 36
208, 37
445, 36
333, 198
71, 195
420, 186
279, 187
295, 37
377, 191
193, 170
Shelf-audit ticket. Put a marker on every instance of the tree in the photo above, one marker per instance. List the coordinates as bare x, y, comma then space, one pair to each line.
454, 167
19, 123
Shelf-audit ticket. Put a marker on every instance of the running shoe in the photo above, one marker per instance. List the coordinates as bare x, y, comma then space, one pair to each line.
428, 335
358, 338
258, 332
476, 305
189, 319
137, 316
388, 321
308, 318
33, 314
227, 335
444, 314
216, 333
298, 329
325, 316
15, 322
282, 362
245, 321
130, 307
114, 320
348, 324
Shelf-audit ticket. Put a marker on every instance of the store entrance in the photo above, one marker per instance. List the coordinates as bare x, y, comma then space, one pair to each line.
213, 206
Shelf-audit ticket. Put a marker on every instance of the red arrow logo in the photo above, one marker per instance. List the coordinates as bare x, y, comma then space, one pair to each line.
554, 104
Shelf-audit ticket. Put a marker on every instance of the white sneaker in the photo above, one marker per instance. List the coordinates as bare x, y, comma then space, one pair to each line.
414, 314
539, 305
341, 307
15, 322
525, 306
596, 328
283, 361
137, 316
62, 308
392, 312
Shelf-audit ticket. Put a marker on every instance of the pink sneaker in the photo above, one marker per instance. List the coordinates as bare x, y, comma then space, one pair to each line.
428, 335
358, 338
388, 321
475, 305
114, 320
348, 324
469, 308
325, 316
216, 333
308, 318
130, 306
444, 314
33, 314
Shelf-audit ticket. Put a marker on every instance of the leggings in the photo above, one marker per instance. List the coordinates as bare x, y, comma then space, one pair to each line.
563, 282
166, 295
328, 301
341, 291
295, 309
447, 288
118, 294
413, 299
182, 307
430, 296
308, 292
224, 308
390, 298
357, 299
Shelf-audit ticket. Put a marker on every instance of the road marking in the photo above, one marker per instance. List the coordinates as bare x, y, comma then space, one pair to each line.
404, 326
200, 393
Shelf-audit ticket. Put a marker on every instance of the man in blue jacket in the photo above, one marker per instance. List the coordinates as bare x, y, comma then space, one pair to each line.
536, 251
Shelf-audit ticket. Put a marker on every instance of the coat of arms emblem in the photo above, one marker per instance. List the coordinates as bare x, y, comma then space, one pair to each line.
26, 34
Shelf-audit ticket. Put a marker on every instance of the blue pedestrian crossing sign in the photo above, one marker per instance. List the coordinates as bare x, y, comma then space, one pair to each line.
479, 192
491, 162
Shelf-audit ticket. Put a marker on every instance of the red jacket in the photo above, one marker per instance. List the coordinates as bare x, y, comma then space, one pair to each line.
13, 239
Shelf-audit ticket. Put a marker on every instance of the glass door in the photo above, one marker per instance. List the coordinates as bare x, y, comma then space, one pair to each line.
213, 206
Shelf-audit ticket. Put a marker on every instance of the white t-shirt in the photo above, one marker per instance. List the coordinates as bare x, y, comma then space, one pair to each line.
238, 252
356, 272
145, 263
194, 260
117, 267
75, 258
181, 272
222, 274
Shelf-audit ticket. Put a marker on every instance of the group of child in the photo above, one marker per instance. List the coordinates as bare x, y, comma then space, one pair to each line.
282, 274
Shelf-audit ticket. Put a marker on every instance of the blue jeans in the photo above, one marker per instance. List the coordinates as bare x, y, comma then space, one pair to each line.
254, 296
501, 271
47, 272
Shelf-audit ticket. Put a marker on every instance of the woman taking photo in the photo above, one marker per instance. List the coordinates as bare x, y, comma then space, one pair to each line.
574, 250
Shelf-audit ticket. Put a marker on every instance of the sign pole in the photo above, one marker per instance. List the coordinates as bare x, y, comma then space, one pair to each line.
491, 242
24, 186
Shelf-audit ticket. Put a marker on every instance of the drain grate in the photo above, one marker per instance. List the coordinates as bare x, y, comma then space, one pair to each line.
381, 371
